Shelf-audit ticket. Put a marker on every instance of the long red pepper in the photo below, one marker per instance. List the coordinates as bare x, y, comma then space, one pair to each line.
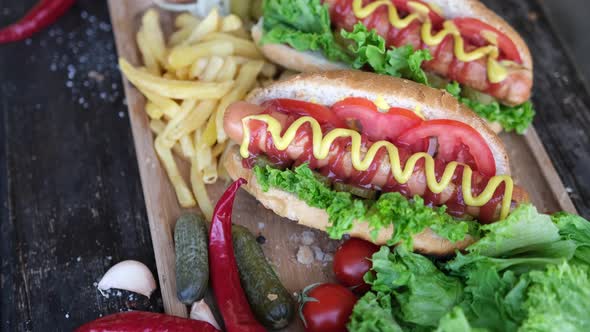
40, 16
225, 279
136, 321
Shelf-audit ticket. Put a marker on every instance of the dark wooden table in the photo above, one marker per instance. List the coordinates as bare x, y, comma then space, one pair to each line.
69, 182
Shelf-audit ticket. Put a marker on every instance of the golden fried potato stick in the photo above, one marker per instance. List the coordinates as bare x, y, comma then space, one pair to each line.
175, 89
182, 56
242, 46
154, 37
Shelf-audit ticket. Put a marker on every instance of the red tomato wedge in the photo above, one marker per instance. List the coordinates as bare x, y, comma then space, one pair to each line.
435, 18
452, 138
362, 114
319, 112
471, 29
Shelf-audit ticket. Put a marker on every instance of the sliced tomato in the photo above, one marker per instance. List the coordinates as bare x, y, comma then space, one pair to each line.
471, 29
362, 114
435, 18
319, 112
456, 141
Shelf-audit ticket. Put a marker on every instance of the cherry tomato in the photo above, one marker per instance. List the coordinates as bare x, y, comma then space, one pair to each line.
330, 310
352, 262
362, 114
453, 138
471, 29
319, 112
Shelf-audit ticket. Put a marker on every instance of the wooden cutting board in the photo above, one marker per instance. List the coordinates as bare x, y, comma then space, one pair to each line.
531, 168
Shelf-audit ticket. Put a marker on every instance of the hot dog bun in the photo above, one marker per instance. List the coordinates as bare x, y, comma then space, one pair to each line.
298, 61
327, 88
289, 206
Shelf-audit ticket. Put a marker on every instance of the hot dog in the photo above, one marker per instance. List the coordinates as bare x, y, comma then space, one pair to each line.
379, 134
467, 43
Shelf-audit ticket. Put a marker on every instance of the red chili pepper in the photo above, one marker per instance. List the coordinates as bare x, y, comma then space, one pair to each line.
225, 279
136, 321
40, 16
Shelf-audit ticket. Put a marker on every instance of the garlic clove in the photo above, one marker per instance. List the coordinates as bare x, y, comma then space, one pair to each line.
201, 311
129, 275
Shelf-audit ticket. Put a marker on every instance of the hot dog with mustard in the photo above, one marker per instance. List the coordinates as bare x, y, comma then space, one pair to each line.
371, 136
459, 41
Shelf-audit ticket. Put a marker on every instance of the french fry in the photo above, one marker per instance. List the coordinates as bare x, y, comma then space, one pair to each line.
231, 23
153, 111
206, 163
240, 60
199, 162
157, 126
202, 150
228, 71
210, 63
154, 37
187, 105
183, 193
218, 149
166, 105
200, 192
183, 73
210, 172
210, 132
213, 68
185, 20
198, 67
175, 89
241, 33
182, 56
172, 126
244, 82
169, 75
194, 120
242, 46
149, 59
178, 37
210, 24
186, 145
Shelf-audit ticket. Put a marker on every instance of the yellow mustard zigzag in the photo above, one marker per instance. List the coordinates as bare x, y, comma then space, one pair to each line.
496, 72
321, 149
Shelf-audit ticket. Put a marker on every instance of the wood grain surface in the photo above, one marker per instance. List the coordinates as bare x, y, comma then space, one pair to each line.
531, 166
69, 181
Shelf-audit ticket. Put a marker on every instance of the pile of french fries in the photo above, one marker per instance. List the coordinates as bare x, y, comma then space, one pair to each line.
188, 82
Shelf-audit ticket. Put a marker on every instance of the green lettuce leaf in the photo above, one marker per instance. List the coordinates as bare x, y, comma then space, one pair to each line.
410, 217
455, 321
525, 226
373, 313
525, 241
517, 118
369, 49
577, 229
422, 292
493, 299
558, 299
303, 25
